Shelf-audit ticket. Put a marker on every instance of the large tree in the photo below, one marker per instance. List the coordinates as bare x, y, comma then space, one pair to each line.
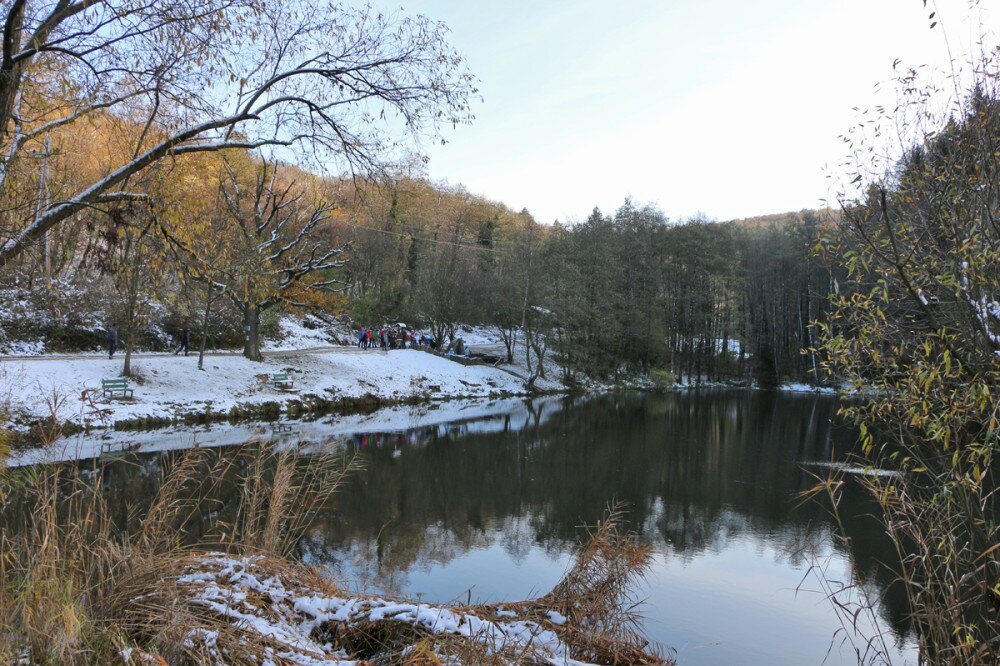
920, 331
335, 85
278, 248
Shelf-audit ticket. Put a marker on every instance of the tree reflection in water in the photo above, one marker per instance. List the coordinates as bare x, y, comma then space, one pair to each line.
711, 474
698, 471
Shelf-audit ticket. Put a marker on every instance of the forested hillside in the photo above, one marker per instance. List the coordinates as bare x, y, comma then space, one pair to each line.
141, 202
628, 292
221, 242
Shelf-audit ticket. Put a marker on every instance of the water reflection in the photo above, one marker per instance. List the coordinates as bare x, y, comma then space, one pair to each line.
710, 479
488, 502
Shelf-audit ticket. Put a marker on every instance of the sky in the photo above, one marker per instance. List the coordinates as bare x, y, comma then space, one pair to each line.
727, 108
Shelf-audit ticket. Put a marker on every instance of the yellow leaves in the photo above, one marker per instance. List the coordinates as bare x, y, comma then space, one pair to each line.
422, 655
867, 441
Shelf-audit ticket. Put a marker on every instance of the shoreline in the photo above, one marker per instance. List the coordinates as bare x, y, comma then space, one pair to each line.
326, 433
336, 381
170, 390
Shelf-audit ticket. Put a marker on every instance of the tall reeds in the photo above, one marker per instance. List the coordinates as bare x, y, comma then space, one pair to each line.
67, 567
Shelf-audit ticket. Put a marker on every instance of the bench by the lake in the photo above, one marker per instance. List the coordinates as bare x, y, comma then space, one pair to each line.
281, 381
113, 386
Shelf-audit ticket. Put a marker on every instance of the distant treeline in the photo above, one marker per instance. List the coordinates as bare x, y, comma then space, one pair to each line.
228, 241
631, 292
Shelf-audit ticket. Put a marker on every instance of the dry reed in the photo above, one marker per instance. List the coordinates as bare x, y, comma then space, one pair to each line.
65, 564
247, 607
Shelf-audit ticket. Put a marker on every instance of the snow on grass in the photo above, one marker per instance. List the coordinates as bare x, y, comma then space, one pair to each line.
173, 385
296, 619
858, 470
25, 348
301, 333
481, 336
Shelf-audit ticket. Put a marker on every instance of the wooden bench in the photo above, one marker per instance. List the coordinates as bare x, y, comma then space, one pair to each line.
281, 381
112, 386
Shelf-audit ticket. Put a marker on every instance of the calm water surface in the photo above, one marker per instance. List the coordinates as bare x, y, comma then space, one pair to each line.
491, 509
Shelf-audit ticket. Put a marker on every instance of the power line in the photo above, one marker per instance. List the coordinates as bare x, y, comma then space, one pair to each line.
413, 235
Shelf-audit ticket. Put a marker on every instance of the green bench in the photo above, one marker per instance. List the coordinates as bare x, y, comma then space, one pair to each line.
113, 386
281, 381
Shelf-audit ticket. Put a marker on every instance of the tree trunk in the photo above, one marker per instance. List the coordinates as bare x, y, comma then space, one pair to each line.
509, 337
527, 357
131, 318
204, 328
539, 358
251, 332
129, 340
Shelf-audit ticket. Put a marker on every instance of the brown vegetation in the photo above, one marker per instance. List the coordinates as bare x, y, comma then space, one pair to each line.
80, 585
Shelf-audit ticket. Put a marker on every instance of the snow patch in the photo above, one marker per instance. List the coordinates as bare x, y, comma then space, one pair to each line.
799, 387
221, 584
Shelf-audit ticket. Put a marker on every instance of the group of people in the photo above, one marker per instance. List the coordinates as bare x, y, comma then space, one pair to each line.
385, 337
400, 337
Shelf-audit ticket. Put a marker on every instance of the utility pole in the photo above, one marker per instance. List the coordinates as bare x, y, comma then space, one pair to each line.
42, 202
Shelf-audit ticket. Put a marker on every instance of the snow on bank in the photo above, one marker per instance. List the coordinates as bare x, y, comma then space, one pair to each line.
798, 387
330, 434
308, 331
294, 620
482, 336
172, 386
859, 470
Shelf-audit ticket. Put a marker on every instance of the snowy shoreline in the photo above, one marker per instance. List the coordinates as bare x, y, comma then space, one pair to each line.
171, 388
331, 434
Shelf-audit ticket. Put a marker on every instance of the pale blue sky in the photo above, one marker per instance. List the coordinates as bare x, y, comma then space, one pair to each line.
729, 107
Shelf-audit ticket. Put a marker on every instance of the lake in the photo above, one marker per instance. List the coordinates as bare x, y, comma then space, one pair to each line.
488, 501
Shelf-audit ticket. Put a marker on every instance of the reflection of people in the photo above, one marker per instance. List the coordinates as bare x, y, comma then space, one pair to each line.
111, 338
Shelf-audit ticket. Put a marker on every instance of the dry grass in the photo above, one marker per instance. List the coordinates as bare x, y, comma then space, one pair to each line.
596, 597
76, 588
952, 585
65, 566
246, 607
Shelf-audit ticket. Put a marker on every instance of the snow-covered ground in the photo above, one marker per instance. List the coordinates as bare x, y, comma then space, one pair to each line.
308, 331
266, 605
480, 336
171, 386
799, 387
294, 332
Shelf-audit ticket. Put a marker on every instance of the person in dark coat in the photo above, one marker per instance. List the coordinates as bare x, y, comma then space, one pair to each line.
185, 339
111, 338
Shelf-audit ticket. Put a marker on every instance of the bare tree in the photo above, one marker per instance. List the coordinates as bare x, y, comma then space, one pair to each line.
273, 252
330, 85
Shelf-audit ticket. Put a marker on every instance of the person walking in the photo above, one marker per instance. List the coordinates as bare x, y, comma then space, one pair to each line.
111, 338
185, 339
